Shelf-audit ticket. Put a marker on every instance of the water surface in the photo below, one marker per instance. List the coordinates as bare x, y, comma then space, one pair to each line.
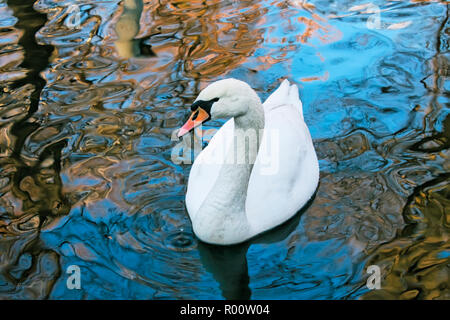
92, 91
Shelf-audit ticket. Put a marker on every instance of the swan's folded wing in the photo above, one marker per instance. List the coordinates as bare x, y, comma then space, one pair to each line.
285, 174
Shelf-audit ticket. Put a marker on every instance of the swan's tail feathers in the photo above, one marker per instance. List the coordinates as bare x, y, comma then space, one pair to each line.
286, 94
278, 97
294, 99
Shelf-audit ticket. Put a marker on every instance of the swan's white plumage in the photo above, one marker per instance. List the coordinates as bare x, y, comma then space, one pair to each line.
273, 196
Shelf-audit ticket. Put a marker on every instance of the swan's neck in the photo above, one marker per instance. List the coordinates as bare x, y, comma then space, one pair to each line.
222, 214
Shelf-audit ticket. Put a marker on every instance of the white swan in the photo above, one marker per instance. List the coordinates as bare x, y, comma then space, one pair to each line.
231, 200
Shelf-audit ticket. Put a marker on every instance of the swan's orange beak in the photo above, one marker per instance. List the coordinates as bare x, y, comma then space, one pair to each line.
197, 117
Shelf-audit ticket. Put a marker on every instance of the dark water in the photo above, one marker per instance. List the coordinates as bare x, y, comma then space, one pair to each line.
90, 97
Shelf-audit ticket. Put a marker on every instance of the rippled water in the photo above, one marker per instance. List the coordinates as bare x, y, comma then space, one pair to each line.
92, 93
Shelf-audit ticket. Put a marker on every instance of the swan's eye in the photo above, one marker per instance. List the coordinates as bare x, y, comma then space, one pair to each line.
204, 104
195, 115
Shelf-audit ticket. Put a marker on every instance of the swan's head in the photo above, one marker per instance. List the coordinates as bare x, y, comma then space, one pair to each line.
222, 99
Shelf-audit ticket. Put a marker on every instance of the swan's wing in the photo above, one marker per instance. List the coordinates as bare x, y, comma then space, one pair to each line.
286, 172
206, 167
284, 95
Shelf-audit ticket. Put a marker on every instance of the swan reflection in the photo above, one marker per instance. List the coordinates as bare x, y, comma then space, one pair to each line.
228, 264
